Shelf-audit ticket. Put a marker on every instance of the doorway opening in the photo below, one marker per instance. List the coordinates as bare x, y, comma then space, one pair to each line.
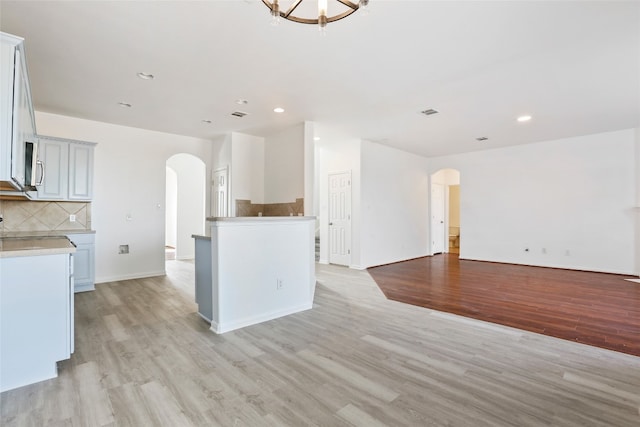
445, 221
184, 205
220, 192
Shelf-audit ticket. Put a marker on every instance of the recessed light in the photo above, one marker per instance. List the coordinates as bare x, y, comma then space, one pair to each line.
524, 118
124, 104
482, 138
316, 138
278, 110
242, 102
146, 76
206, 121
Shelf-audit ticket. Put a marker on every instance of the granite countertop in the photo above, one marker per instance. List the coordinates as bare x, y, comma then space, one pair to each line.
50, 233
20, 247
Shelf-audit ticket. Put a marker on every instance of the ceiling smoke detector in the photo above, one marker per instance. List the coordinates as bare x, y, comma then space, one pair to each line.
429, 112
239, 113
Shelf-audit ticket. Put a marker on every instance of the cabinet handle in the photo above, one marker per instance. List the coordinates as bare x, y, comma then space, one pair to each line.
41, 164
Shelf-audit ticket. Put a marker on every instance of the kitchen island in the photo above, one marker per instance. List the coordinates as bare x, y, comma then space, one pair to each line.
36, 308
253, 269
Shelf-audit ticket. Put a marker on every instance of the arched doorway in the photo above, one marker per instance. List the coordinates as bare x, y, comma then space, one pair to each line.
185, 204
445, 211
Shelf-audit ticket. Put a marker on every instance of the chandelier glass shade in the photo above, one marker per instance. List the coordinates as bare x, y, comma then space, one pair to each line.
319, 12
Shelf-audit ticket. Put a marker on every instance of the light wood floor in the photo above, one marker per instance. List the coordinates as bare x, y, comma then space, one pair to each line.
144, 357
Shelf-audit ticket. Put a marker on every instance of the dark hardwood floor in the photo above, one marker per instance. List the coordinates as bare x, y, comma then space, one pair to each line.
597, 309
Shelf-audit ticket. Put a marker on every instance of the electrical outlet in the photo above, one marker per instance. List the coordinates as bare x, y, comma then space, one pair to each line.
72, 218
123, 249
279, 284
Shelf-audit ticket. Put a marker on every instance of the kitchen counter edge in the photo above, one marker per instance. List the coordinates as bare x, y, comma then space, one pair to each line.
13, 247
50, 233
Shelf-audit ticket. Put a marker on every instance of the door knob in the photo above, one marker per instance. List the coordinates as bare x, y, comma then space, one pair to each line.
330, 223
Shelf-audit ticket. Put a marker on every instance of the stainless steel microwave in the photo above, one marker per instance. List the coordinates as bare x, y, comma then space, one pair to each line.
33, 168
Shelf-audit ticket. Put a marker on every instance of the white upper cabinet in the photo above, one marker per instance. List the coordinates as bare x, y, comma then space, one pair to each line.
68, 166
80, 171
55, 156
17, 118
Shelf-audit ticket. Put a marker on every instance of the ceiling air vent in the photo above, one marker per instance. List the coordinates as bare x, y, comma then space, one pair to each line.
482, 138
429, 112
239, 113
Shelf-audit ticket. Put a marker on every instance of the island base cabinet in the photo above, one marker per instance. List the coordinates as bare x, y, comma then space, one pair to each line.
36, 320
204, 297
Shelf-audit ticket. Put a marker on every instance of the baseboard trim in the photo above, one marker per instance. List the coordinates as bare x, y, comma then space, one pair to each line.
221, 328
87, 287
209, 321
130, 276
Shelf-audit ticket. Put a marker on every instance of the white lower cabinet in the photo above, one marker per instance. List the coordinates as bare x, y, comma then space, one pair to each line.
36, 319
84, 261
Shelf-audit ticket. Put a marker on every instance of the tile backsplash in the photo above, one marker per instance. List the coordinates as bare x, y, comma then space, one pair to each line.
246, 208
44, 216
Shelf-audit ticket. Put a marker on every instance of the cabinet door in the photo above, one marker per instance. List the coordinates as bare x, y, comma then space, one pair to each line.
55, 156
21, 124
7, 56
83, 262
80, 172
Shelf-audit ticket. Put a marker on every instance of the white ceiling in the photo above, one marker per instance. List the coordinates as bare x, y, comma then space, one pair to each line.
574, 66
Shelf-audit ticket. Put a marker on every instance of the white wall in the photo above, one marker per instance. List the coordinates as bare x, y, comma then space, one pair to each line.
637, 208
394, 217
129, 178
171, 208
311, 192
284, 166
247, 170
573, 197
338, 152
191, 180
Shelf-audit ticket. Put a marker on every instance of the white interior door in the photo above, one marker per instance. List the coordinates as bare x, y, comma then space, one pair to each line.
340, 218
220, 193
437, 219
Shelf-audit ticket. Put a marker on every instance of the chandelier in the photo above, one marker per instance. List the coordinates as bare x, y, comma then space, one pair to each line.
304, 12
